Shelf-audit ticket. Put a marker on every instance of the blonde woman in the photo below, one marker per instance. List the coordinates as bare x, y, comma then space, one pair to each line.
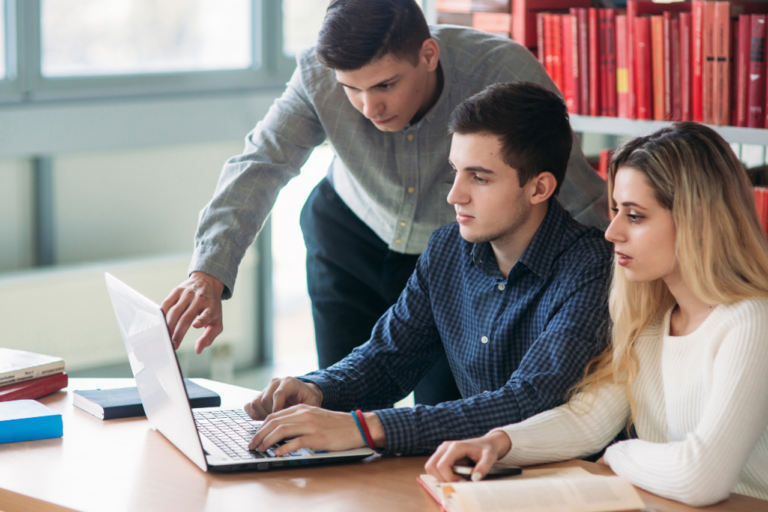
688, 363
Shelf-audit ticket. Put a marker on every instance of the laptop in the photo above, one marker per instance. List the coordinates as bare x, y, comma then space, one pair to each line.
215, 439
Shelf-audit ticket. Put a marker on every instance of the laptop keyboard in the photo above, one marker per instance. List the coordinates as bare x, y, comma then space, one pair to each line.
231, 430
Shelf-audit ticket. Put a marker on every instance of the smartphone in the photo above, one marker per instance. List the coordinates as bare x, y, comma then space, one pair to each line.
496, 471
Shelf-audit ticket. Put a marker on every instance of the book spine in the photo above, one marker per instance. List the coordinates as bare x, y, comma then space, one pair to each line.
622, 85
570, 65
34, 372
610, 59
757, 81
540, 44
557, 54
31, 429
657, 38
686, 66
602, 48
721, 106
667, 49
697, 19
594, 64
708, 63
583, 34
734, 69
643, 67
631, 65
677, 106
742, 69
34, 388
524, 16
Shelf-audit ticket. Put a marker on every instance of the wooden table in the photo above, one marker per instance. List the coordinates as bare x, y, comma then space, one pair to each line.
122, 465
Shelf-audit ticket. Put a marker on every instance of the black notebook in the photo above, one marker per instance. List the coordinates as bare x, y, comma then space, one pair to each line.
110, 404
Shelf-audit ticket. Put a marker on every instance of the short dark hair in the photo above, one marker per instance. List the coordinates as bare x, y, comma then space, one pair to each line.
531, 122
358, 32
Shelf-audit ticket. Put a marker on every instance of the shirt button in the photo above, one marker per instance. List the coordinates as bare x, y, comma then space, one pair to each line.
411, 190
484, 339
410, 136
501, 287
403, 223
398, 241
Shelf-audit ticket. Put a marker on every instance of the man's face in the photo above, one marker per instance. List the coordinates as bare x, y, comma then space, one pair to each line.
388, 91
489, 201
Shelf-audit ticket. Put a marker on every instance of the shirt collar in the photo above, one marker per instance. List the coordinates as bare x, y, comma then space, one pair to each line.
540, 253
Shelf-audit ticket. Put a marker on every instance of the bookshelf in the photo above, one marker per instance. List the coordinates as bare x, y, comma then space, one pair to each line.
634, 128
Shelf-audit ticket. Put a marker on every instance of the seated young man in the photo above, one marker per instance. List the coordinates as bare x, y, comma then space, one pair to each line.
514, 291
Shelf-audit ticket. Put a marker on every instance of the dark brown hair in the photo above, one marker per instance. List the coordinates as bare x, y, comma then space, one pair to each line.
358, 32
531, 122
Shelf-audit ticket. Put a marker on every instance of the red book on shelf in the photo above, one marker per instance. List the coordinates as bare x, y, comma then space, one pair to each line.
524, 16
667, 35
495, 22
571, 63
643, 84
721, 98
582, 32
733, 67
35, 388
756, 96
764, 209
657, 59
610, 59
677, 105
472, 5
742, 69
605, 160
758, 194
594, 63
622, 86
686, 66
548, 46
540, 44
708, 63
602, 55
697, 46
637, 8
557, 50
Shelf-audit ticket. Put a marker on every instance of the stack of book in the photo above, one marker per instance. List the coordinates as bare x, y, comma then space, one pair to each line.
26, 375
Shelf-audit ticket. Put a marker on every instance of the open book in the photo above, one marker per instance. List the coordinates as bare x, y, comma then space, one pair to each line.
537, 490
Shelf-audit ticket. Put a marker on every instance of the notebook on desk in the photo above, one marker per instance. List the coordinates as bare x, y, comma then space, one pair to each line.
214, 439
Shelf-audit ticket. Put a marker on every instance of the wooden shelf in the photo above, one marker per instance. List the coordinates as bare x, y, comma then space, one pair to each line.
632, 127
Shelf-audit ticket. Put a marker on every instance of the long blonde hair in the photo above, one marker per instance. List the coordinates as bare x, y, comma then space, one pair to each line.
720, 246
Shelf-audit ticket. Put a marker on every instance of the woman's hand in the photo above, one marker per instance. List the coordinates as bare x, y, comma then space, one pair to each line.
484, 451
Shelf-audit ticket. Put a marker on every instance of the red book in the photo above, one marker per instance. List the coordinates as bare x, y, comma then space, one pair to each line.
734, 70
686, 66
708, 63
548, 46
637, 8
594, 64
540, 39
742, 69
605, 159
622, 85
643, 82
764, 209
610, 59
721, 90
557, 50
657, 58
582, 31
524, 16
756, 96
759, 207
667, 35
35, 388
602, 55
697, 19
569, 86
677, 104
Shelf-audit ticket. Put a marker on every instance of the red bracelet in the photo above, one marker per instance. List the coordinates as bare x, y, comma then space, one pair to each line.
368, 438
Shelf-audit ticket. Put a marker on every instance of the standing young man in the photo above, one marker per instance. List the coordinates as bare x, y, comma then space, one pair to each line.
514, 292
380, 86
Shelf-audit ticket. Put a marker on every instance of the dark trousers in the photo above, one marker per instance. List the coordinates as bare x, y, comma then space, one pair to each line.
353, 278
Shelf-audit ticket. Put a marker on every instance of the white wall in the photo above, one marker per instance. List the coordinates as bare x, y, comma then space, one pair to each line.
15, 215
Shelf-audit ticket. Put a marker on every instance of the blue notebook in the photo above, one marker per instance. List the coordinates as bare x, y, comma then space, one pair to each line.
110, 404
28, 420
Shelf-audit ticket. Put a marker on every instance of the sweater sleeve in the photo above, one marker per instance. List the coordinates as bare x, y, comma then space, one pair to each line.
705, 466
578, 428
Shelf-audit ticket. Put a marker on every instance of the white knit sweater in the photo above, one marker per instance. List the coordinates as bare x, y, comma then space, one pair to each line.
702, 413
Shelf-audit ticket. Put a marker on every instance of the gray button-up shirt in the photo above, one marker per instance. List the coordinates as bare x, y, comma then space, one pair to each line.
397, 183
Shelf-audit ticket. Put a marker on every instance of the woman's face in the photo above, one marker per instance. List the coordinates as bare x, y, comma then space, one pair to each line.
642, 231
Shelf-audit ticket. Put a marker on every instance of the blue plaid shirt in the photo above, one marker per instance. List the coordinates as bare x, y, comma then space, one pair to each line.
515, 345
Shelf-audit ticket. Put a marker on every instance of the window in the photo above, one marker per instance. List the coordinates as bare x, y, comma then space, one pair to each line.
94, 37
2, 40
301, 23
